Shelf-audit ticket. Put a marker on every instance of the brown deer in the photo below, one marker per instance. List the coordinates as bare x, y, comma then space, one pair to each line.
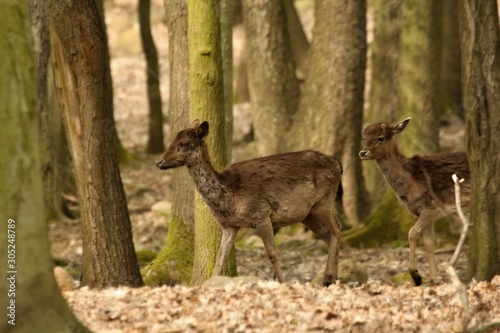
423, 183
263, 193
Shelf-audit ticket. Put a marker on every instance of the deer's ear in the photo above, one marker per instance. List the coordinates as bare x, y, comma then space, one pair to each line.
194, 124
399, 127
202, 130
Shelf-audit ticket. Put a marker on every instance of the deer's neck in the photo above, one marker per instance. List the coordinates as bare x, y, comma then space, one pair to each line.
208, 184
395, 172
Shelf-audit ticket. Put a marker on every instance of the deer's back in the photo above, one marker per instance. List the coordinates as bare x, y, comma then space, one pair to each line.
437, 169
287, 185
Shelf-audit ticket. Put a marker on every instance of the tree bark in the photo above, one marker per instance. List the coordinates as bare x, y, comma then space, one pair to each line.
419, 75
37, 304
383, 93
451, 90
207, 103
227, 8
330, 112
298, 40
155, 132
78, 41
174, 264
274, 89
480, 46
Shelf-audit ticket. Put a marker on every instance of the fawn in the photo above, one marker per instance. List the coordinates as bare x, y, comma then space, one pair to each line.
423, 183
263, 193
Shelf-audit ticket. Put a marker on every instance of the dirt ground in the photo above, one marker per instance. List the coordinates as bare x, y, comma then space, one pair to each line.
258, 304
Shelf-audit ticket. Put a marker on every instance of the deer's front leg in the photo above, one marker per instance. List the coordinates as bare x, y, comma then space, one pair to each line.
425, 219
265, 230
226, 244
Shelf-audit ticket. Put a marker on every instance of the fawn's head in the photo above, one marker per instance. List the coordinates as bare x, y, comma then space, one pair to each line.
378, 139
185, 149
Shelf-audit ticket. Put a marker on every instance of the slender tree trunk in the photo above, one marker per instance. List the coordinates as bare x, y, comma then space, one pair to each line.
451, 90
274, 90
330, 112
207, 103
174, 264
78, 41
480, 45
155, 132
419, 75
30, 298
226, 26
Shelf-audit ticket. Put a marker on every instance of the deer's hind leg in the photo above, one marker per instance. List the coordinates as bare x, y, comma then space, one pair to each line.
322, 215
425, 220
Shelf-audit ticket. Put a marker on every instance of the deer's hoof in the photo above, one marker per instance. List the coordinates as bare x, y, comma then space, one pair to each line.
416, 277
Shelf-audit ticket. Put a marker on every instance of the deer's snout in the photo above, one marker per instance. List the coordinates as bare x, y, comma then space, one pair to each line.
364, 154
159, 163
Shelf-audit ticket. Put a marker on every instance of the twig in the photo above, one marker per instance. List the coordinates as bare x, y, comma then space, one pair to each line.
463, 218
462, 291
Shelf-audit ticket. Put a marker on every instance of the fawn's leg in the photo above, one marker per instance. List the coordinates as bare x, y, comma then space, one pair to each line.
428, 235
426, 218
324, 215
226, 244
265, 231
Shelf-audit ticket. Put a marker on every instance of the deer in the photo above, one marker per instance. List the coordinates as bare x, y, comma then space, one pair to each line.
423, 184
263, 193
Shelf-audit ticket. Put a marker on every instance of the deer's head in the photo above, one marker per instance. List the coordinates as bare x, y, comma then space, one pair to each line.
186, 147
378, 139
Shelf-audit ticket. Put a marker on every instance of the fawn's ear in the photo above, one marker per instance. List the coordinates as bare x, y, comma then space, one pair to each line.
202, 130
194, 124
399, 127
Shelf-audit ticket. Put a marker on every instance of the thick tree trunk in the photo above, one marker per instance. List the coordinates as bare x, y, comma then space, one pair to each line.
419, 75
274, 89
480, 45
174, 264
78, 41
155, 132
383, 94
30, 296
207, 103
331, 108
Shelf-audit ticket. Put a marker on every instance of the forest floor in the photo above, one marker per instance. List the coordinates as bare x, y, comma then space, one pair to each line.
259, 304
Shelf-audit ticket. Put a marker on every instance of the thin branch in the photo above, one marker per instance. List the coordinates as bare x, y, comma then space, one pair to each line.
463, 218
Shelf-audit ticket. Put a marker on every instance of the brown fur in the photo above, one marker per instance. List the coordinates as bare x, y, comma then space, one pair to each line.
423, 183
263, 193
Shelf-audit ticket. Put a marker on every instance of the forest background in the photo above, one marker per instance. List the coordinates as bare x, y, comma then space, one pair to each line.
420, 80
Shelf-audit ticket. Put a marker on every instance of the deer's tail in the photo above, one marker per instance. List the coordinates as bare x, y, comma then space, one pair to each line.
340, 194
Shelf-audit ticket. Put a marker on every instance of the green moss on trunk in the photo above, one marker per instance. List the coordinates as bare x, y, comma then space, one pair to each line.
174, 264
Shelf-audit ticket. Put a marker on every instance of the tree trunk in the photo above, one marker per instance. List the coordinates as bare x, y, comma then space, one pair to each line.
155, 132
226, 26
480, 45
298, 40
330, 113
274, 90
174, 264
419, 75
207, 103
78, 41
30, 298
383, 93
451, 91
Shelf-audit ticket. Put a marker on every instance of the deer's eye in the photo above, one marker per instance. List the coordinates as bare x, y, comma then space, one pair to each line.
184, 144
380, 139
